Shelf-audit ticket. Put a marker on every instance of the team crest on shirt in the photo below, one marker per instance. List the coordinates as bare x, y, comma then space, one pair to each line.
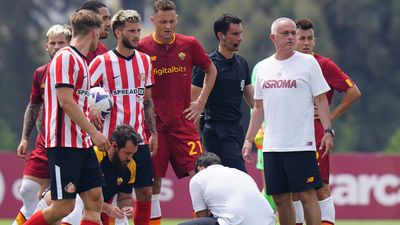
119, 181
142, 76
153, 58
70, 188
182, 56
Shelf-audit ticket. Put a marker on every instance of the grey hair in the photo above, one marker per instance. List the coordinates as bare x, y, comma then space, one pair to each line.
274, 25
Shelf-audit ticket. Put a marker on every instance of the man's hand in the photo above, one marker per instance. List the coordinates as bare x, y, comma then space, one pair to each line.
128, 211
153, 144
327, 144
101, 141
113, 211
246, 151
96, 119
21, 150
195, 109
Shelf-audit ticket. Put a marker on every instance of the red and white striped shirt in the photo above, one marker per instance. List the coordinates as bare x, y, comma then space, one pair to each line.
126, 79
68, 69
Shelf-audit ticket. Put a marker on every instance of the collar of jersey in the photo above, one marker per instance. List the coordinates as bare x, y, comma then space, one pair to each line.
153, 35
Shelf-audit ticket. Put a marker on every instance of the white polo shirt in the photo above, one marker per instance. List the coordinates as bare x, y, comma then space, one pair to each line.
231, 195
287, 88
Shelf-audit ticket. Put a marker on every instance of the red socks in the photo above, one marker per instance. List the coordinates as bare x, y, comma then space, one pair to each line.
142, 213
37, 219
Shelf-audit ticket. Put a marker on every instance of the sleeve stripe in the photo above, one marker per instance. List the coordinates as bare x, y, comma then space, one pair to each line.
349, 82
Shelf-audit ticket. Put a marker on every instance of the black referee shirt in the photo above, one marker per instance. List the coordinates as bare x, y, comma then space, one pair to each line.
224, 102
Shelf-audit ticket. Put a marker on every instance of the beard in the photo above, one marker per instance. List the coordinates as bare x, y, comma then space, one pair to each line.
127, 44
117, 162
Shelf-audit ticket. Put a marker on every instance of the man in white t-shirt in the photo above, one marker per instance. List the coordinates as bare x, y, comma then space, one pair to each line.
288, 84
244, 205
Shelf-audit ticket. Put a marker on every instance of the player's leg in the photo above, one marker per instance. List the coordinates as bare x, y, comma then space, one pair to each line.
34, 182
160, 166
323, 194
298, 209
143, 185
278, 186
89, 188
75, 217
65, 167
304, 178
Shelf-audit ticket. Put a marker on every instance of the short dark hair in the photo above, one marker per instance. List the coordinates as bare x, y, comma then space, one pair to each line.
222, 23
305, 24
124, 133
163, 5
207, 159
92, 5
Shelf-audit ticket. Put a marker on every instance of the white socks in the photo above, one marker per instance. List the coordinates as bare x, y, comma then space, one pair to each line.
29, 193
298, 209
155, 206
327, 210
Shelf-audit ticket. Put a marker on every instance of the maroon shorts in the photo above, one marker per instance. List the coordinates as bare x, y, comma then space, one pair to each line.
323, 162
37, 164
178, 143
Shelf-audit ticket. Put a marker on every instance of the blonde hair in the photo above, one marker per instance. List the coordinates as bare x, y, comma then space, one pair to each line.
123, 16
58, 29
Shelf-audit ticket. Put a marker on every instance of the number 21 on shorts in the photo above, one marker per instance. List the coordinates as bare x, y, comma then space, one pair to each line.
192, 145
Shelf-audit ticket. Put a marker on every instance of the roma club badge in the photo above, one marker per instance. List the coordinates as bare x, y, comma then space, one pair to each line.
182, 56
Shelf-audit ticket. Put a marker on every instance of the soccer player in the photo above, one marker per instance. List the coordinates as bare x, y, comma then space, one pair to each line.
222, 132
287, 85
68, 131
119, 170
173, 56
101, 9
244, 205
339, 81
36, 172
127, 74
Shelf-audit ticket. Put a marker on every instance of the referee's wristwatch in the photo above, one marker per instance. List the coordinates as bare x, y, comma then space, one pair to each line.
330, 130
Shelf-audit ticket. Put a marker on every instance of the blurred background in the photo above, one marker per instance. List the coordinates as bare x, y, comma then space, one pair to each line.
361, 36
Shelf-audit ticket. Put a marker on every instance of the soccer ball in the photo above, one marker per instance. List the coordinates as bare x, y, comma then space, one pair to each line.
101, 100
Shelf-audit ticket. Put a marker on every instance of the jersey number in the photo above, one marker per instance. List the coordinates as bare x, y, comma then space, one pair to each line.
192, 145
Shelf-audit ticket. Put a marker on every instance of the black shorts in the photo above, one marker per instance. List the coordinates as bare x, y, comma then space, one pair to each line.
225, 139
144, 169
72, 171
201, 221
287, 172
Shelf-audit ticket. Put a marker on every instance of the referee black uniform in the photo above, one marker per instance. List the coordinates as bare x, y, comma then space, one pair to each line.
222, 132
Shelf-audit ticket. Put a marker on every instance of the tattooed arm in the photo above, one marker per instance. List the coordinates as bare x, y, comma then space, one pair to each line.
30, 117
150, 118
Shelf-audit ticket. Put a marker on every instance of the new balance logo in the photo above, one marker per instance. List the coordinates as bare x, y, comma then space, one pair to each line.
310, 180
115, 77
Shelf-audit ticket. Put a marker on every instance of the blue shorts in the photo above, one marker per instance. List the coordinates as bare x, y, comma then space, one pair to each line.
287, 172
225, 139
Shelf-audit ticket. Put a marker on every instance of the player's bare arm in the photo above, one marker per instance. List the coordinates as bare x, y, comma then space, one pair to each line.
257, 116
71, 108
197, 106
350, 96
150, 118
248, 94
30, 117
321, 103
125, 203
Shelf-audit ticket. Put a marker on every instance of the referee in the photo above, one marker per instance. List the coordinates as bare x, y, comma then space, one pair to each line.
222, 132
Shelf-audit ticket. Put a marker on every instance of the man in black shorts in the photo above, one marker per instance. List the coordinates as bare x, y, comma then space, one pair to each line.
68, 131
222, 132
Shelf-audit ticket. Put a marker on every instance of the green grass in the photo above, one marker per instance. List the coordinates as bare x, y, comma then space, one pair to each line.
340, 222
